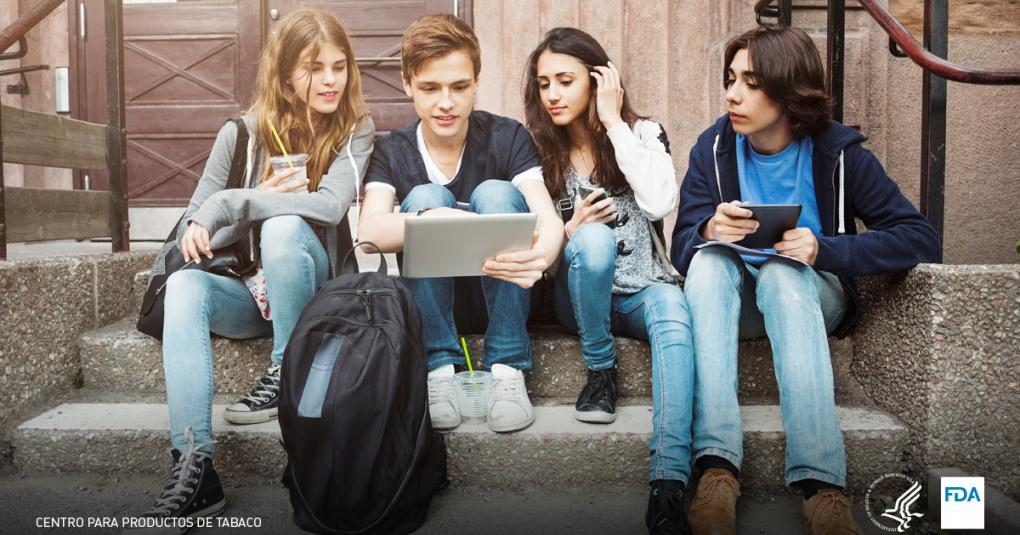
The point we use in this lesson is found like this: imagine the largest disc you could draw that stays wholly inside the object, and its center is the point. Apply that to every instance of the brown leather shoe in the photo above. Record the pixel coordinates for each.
(714, 509)
(828, 513)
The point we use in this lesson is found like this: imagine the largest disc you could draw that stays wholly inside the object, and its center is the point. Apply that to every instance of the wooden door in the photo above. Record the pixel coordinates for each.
(375, 28)
(188, 66)
(191, 64)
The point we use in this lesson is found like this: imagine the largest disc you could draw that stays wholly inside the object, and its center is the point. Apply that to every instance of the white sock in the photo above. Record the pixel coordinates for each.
(502, 371)
(445, 370)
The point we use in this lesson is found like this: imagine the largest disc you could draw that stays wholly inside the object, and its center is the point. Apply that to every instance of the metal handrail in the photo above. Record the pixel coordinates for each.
(930, 62)
(26, 22)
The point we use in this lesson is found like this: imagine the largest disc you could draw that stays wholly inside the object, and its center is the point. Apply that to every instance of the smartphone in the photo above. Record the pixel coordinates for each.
(585, 191)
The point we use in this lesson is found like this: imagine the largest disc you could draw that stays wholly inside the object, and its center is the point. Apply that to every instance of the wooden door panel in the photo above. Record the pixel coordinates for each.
(188, 66)
(168, 167)
(181, 69)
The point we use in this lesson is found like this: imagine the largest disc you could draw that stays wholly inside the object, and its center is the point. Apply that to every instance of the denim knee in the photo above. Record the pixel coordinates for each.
(186, 291)
(591, 249)
(497, 197)
(426, 196)
(713, 267)
(785, 285)
(282, 236)
(668, 302)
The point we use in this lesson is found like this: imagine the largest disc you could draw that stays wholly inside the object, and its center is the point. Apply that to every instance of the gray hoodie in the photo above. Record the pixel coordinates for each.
(229, 214)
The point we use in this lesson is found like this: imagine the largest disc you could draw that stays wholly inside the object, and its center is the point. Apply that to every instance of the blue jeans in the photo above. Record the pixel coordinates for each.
(585, 303)
(796, 307)
(506, 337)
(198, 303)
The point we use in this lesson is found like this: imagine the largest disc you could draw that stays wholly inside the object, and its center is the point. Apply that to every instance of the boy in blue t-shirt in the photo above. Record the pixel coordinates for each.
(451, 160)
(777, 145)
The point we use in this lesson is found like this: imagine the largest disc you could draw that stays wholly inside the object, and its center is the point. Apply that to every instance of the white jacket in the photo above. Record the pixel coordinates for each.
(648, 168)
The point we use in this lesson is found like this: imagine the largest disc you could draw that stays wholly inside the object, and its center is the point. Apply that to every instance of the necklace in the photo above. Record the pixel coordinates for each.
(588, 168)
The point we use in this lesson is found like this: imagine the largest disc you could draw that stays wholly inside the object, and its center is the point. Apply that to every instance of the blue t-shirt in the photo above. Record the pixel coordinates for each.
(782, 178)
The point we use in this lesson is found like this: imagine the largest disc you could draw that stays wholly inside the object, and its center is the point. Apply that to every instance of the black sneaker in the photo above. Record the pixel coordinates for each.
(597, 402)
(666, 515)
(261, 404)
(194, 490)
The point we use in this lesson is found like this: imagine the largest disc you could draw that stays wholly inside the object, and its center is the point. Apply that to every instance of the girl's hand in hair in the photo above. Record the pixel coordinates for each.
(730, 223)
(799, 243)
(523, 268)
(195, 243)
(609, 95)
(278, 182)
(588, 211)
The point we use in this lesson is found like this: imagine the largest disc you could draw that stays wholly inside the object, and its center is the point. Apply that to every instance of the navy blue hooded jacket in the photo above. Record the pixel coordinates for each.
(849, 183)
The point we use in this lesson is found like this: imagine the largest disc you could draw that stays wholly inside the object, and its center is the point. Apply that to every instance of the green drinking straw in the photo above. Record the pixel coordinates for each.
(467, 356)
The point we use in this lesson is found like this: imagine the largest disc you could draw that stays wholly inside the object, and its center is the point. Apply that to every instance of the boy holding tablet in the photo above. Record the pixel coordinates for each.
(451, 160)
(777, 145)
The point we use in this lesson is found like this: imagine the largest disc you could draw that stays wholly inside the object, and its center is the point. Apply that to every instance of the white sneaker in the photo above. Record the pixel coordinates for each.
(509, 406)
(443, 405)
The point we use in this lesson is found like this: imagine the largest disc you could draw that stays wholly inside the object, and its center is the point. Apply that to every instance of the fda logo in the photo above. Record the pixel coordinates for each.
(963, 502)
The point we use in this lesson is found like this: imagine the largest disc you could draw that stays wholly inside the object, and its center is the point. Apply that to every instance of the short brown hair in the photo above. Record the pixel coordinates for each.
(788, 68)
(435, 36)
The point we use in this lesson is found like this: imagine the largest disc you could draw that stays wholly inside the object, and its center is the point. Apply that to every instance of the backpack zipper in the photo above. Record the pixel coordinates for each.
(365, 296)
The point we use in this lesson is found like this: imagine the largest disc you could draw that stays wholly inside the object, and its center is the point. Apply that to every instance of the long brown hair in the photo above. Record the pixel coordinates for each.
(277, 103)
(789, 69)
(552, 141)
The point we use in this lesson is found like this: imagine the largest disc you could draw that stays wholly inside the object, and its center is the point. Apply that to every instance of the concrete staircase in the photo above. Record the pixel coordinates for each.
(117, 425)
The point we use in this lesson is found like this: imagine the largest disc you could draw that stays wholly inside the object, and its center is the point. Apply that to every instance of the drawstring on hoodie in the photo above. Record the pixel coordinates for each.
(715, 160)
(842, 196)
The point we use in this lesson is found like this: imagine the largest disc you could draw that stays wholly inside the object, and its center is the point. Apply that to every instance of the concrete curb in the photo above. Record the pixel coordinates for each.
(556, 452)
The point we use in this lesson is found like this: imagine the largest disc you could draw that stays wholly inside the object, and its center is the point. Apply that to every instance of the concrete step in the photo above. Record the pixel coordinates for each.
(556, 452)
(121, 359)
(456, 510)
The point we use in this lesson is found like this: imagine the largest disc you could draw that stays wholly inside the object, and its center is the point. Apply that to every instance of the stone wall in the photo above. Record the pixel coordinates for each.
(940, 349)
(45, 306)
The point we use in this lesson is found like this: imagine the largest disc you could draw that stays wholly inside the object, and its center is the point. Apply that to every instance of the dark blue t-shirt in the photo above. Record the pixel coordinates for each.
(496, 148)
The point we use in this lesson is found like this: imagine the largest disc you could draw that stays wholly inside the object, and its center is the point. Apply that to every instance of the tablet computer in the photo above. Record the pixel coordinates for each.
(773, 221)
(458, 245)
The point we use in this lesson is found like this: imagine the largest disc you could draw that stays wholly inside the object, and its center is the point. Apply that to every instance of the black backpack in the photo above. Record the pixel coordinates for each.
(362, 456)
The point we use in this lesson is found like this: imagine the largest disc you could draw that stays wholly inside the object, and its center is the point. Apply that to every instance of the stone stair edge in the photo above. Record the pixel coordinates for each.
(556, 452)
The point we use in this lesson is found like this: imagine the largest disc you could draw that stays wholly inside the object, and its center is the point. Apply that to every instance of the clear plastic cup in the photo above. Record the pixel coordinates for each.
(473, 394)
(282, 163)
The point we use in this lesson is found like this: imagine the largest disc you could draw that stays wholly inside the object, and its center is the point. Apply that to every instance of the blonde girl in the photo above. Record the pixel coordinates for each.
(309, 90)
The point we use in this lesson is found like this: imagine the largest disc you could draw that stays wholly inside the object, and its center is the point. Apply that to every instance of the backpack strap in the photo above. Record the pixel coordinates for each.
(237, 163)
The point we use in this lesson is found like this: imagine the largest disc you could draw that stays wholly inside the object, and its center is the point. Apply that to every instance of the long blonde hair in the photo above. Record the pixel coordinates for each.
(277, 103)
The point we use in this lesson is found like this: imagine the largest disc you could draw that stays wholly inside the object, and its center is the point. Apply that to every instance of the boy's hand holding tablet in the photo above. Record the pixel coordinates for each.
(763, 226)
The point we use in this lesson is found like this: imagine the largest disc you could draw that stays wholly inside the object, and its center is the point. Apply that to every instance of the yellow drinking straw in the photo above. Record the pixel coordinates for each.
(467, 357)
(280, 143)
